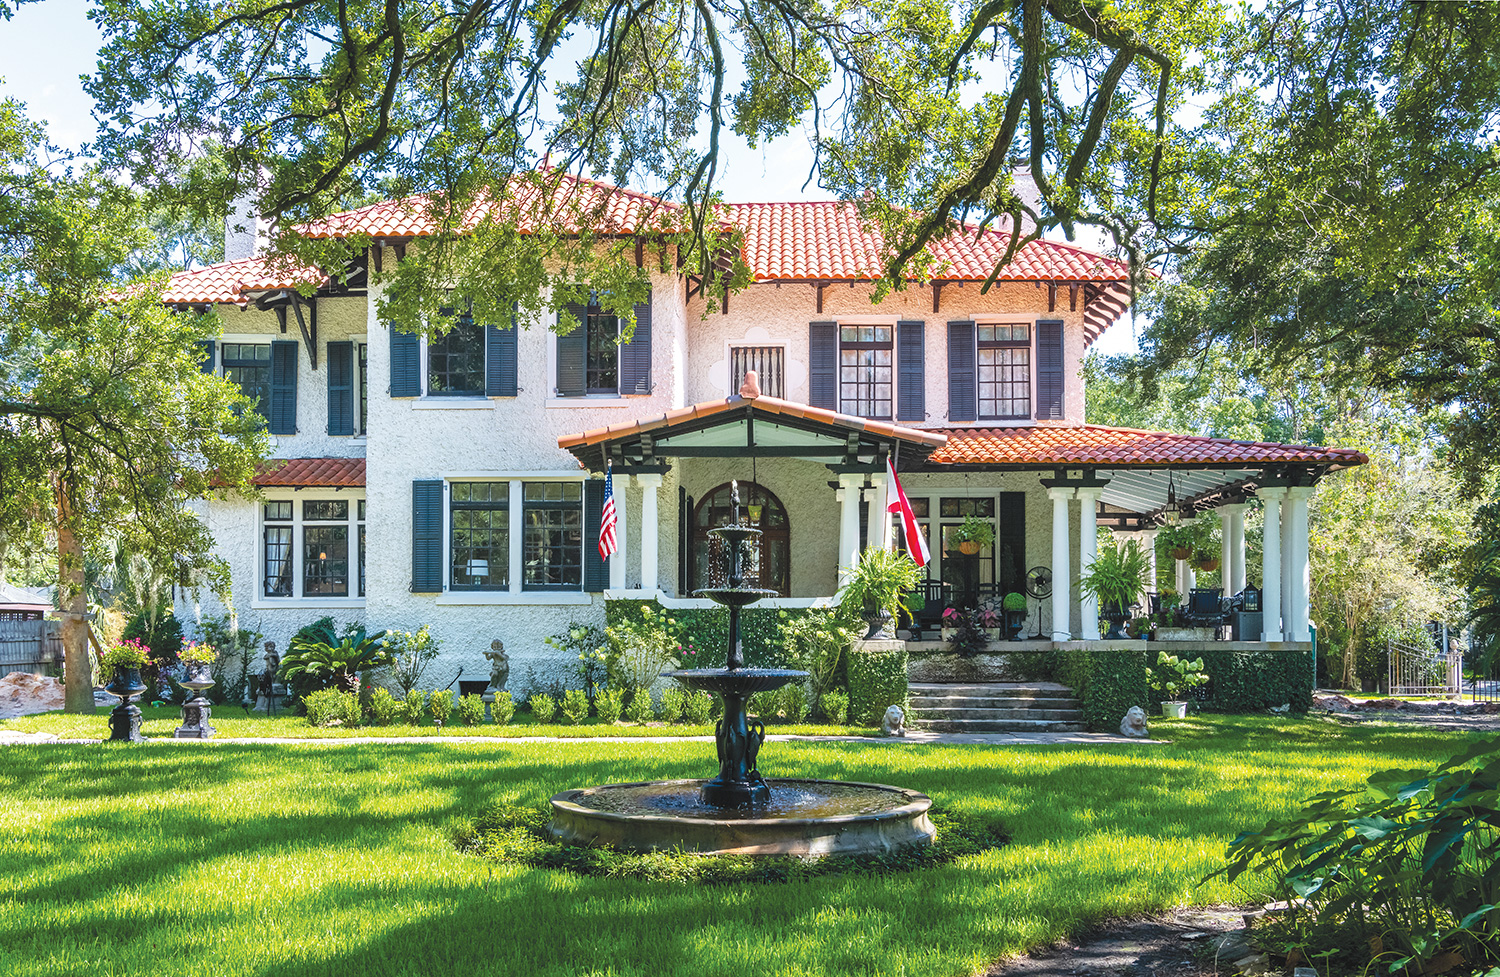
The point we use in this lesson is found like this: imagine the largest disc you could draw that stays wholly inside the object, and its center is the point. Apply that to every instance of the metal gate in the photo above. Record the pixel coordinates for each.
(1485, 686)
(1417, 671)
(29, 646)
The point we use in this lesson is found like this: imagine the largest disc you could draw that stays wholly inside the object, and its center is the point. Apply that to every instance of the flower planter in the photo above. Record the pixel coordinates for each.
(1207, 566)
(125, 718)
(948, 633)
(1180, 553)
(1174, 710)
(197, 710)
(968, 547)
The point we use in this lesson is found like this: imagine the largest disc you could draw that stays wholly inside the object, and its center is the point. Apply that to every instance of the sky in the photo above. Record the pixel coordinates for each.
(46, 46)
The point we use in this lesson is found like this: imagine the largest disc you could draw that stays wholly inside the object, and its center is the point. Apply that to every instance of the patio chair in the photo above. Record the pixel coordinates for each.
(1205, 608)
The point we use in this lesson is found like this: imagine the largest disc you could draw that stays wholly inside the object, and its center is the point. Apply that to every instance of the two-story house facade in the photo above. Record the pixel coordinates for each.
(457, 481)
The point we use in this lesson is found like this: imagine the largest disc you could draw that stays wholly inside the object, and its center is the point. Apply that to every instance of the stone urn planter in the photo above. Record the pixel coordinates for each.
(197, 710)
(125, 718)
(1116, 616)
(1174, 710)
(877, 621)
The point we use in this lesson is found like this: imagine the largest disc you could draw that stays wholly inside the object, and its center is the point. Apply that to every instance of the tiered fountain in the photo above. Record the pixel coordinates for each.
(739, 811)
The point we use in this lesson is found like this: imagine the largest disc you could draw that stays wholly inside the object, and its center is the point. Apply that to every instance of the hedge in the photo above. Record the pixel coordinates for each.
(877, 681)
(1108, 683)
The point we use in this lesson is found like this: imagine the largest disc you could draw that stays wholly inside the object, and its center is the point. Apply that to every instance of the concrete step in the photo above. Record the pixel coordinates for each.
(1038, 690)
(927, 716)
(990, 702)
(1001, 726)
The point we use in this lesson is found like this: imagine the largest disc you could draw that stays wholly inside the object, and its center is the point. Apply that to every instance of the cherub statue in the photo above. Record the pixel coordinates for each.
(499, 665)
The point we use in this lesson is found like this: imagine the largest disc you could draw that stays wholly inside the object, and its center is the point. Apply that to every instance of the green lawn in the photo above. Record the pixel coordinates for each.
(330, 859)
(231, 721)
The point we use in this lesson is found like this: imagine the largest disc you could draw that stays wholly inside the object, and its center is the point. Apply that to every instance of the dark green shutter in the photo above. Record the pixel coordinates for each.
(572, 349)
(823, 365)
(427, 536)
(635, 356)
(283, 416)
(595, 569)
(206, 363)
(1011, 549)
(500, 361)
(406, 364)
(1049, 370)
(340, 388)
(911, 382)
(963, 393)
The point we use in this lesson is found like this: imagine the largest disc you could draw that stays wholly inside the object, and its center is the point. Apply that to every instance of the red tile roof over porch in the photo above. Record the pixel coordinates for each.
(1094, 445)
(312, 472)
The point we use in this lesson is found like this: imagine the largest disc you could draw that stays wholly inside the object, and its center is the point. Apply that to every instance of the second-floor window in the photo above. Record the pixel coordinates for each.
(248, 365)
(866, 371)
(1004, 366)
(455, 360)
(602, 360)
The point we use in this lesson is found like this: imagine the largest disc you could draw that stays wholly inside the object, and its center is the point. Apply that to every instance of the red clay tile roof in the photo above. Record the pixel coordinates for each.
(308, 472)
(562, 201)
(228, 281)
(769, 405)
(1120, 447)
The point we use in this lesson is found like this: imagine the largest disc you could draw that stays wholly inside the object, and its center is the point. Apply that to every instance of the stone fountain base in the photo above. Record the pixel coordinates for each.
(805, 818)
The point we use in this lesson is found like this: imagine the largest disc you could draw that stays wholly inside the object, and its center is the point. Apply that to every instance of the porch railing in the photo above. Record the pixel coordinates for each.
(1417, 671)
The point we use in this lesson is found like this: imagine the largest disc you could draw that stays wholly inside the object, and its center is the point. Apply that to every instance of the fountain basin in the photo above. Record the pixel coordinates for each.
(740, 681)
(804, 818)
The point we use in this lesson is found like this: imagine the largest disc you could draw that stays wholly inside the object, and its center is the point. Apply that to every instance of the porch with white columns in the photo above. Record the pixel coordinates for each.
(1147, 539)
(1088, 552)
(1299, 570)
(1061, 575)
(848, 494)
(1233, 526)
(1270, 583)
(879, 519)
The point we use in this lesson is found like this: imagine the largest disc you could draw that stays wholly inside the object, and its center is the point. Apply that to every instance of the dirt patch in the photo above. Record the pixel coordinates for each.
(1183, 943)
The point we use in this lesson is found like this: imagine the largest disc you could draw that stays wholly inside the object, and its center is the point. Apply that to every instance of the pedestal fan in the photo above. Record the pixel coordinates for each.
(1039, 587)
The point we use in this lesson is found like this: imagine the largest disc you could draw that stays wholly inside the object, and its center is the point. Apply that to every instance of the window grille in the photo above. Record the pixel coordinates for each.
(769, 364)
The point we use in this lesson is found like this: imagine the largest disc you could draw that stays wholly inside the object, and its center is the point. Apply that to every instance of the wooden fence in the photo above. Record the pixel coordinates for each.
(30, 646)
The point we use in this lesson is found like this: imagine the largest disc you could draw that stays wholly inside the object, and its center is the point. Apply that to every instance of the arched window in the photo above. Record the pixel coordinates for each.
(760, 509)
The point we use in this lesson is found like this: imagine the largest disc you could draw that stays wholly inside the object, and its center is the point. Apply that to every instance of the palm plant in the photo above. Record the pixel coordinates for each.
(334, 662)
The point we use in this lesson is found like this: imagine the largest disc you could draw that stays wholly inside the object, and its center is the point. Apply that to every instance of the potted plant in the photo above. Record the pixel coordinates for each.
(961, 631)
(1117, 579)
(972, 535)
(1015, 614)
(1170, 601)
(197, 660)
(123, 662)
(876, 587)
(1178, 541)
(988, 622)
(915, 604)
(1205, 561)
(1171, 675)
(1140, 628)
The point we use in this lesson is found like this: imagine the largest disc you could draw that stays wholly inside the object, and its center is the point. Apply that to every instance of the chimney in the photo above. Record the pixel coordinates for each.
(1026, 189)
(245, 233)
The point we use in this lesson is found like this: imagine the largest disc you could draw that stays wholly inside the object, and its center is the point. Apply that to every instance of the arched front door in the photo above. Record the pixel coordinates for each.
(760, 509)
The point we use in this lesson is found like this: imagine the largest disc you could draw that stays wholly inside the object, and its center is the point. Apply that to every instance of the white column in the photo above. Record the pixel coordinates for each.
(1226, 550)
(650, 529)
(1297, 561)
(1147, 539)
(1236, 546)
(518, 533)
(1088, 550)
(1270, 581)
(1286, 567)
(1061, 575)
(880, 520)
(848, 524)
(622, 533)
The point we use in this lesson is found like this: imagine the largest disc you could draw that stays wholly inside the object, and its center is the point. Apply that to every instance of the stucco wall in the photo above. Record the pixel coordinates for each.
(768, 314)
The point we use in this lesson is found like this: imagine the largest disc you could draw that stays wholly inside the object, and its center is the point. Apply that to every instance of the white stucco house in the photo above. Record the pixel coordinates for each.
(457, 482)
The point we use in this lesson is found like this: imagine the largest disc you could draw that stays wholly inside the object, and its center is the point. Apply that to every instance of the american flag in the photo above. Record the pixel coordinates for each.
(607, 519)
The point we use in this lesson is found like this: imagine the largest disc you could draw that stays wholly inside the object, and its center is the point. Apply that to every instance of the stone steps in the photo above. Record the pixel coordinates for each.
(994, 707)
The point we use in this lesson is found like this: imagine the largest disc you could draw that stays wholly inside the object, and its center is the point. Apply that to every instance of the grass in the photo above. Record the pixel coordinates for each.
(232, 722)
(318, 859)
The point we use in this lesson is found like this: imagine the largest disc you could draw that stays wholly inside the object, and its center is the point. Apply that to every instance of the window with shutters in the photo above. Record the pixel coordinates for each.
(1004, 362)
(313, 548)
(455, 360)
(769, 364)
(601, 366)
(248, 366)
(866, 371)
(552, 543)
(479, 535)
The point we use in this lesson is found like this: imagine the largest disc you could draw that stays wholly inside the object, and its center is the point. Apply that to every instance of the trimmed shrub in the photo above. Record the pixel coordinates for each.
(877, 681)
(640, 710)
(835, 705)
(1254, 681)
(575, 706)
(672, 701)
(697, 707)
(471, 710)
(794, 702)
(413, 706)
(384, 708)
(704, 635)
(332, 707)
(503, 709)
(543, 707)
(1107, 684)
(609, 703)
(441, 705)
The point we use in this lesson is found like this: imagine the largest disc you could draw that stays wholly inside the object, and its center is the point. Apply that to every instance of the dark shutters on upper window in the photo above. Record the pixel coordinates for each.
(406, 364)
(1049, 369)
(500, 361)
(962, 391)
(283, 414)
(635, 356)
(572, 353)
(823, 365)
(595, 569)
(206, 362)
(426, 536)
(911, 390)
(340, 388)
